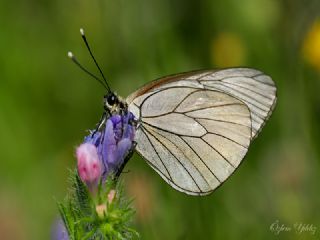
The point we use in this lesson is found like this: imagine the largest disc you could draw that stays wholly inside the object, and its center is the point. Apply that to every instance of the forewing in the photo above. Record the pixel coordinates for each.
(250, 86)
(193, 137)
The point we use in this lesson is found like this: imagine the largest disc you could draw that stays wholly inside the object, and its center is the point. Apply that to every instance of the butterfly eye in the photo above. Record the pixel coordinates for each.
(111, 99)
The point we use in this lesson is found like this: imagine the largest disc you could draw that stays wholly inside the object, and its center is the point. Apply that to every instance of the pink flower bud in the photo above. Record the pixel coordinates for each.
(89, 164)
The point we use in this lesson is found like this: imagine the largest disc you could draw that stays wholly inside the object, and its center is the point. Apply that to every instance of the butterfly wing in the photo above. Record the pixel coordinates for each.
(196, 127)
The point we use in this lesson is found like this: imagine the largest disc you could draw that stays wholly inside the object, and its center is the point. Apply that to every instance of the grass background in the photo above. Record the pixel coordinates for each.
(46, 105)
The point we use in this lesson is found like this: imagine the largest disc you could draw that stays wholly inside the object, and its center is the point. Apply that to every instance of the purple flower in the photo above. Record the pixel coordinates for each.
(114, 141)
(59, 231)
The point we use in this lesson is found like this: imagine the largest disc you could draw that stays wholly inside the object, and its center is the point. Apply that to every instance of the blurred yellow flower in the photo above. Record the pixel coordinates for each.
(311, 45)
(228, 50)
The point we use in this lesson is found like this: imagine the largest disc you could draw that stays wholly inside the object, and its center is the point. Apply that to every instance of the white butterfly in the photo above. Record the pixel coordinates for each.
(196, 127)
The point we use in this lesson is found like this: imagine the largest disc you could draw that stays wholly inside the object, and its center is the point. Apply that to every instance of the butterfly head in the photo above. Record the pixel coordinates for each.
(113, 103)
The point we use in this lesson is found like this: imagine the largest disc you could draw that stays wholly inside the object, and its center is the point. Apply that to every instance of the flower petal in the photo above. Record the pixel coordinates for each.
(122, 149)
(109, 145)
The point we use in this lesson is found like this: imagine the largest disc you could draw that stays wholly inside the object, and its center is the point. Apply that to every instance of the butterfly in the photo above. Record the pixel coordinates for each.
(195, 128)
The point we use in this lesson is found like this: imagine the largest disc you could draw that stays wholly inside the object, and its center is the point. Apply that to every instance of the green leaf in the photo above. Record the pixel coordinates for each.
(67, 219)
(82, 196)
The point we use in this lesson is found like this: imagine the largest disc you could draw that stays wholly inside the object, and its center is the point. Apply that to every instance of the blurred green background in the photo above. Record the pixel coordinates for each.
(47, 104)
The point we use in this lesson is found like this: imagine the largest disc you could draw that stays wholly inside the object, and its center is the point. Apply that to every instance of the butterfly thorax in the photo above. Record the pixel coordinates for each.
(115, 106)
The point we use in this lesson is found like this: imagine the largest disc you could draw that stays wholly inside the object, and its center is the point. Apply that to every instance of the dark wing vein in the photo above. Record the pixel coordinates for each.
(185, 99)
(198, 109)
(217, 134)
(227, 77)
(237, 89)
(160, 90)
(234, 141)
(204, 75)
(213, 148)
(175, 158)
(253, 103)
(143, 130)
(187, 157)
(195, 152)
(219, 120)
(184, 135)
(265, 83)
(251, 90)
(216, 106)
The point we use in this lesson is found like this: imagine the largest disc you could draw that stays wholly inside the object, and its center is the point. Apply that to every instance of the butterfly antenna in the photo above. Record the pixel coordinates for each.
(73, 58)
(89, 49)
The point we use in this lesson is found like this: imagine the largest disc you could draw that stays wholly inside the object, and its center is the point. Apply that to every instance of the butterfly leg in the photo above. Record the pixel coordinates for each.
(100, 123)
